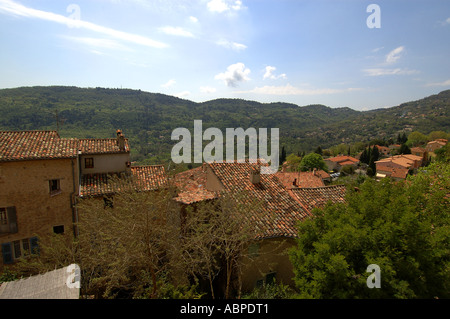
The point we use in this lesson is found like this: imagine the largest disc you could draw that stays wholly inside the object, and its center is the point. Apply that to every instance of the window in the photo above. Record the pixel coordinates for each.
(58, 229)
(3, 216)
(89, 162)
(108, 202)
(54, 186)
(18, 249)
(8, 220)
(270, 278)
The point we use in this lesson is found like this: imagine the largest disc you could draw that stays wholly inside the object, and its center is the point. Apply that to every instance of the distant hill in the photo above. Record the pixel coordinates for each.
(148, 119)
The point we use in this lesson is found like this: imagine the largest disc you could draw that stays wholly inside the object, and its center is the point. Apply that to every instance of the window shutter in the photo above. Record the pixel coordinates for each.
(7, 253)
(12, 219)
(34, 245)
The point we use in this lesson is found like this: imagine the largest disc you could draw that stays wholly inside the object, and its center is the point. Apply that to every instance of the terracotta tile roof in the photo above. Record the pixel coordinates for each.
(101, 146)
(32, 145)
(418, 149)
(343, 163)
(300, 179)
(279, 212)
(142, 178)
(313, 197)
(404, 160)
(192, 184)
(343, 158)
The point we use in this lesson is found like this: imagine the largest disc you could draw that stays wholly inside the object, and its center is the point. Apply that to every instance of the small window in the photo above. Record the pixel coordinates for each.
(270, 278)
(3, 216)
(89, 162)
(17, 249)
(108, 202)
(58, 229)
(54, 186)
(26, 246)
(8, 220)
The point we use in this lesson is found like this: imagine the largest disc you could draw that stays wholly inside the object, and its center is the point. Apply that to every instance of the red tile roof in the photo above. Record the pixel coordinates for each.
(101, 146)
(192, 184)
(343, 158)
(300, 179)
(279, 212)
(319, 196)
(34, 145)
(142, 178)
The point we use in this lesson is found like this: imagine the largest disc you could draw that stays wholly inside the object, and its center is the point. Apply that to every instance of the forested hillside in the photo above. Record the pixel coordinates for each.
(148, 119)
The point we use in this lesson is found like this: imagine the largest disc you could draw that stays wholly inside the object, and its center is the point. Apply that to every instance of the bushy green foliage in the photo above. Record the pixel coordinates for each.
(312, 161)
(402, 227)
(272, 291)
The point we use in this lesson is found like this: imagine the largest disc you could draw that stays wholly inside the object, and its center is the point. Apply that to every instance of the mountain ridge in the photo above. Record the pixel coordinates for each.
(149, 118)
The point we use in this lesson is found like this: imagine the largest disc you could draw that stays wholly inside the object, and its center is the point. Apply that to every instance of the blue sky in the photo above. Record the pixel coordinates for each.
(297, 51)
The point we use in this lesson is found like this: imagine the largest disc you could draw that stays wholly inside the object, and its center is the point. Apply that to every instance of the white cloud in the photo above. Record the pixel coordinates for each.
(193, 19)
(445, 83)
(288, 89)
(178, 31)
(207, 89)
(269, 73)
(224, 5)
(16, 9)
(394, 55)
(99, 43)
(445, 22)
(377, 49)
(231, 45)
(381, 72)
(169, 83)
(234, 74)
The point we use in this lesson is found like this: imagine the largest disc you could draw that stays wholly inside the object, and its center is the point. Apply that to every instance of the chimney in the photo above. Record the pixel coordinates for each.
(255, 176)
(120, 140)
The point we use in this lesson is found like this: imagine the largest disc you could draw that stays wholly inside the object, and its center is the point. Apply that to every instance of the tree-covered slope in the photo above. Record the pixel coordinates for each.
(148, 119)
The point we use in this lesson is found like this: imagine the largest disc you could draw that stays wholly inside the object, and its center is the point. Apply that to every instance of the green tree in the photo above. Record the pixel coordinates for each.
(404, 149)
(401, 227)
(282, 155)
(318, 150)
(416, 138)
(437, 135)
(293, 160)
(443, 153)
(311, 161)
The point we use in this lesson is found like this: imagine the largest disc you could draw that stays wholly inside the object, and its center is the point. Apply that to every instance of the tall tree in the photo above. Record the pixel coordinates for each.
(282, 155)
(401, 227)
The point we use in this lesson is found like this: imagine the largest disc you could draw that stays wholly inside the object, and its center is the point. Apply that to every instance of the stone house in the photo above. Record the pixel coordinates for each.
(43, 175)
(275, 221)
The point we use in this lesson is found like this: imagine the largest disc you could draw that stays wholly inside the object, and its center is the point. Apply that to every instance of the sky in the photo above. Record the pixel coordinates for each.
(340, 53)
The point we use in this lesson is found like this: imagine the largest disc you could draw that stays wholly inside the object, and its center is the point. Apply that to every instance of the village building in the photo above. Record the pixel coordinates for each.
(420, 151)
(432, 146)
(276, 219)
(398, 167)
(338, 162)
(43, 175)
(383, 150)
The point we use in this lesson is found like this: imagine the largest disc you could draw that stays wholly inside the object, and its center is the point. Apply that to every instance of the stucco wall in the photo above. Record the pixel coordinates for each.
(25, 185)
